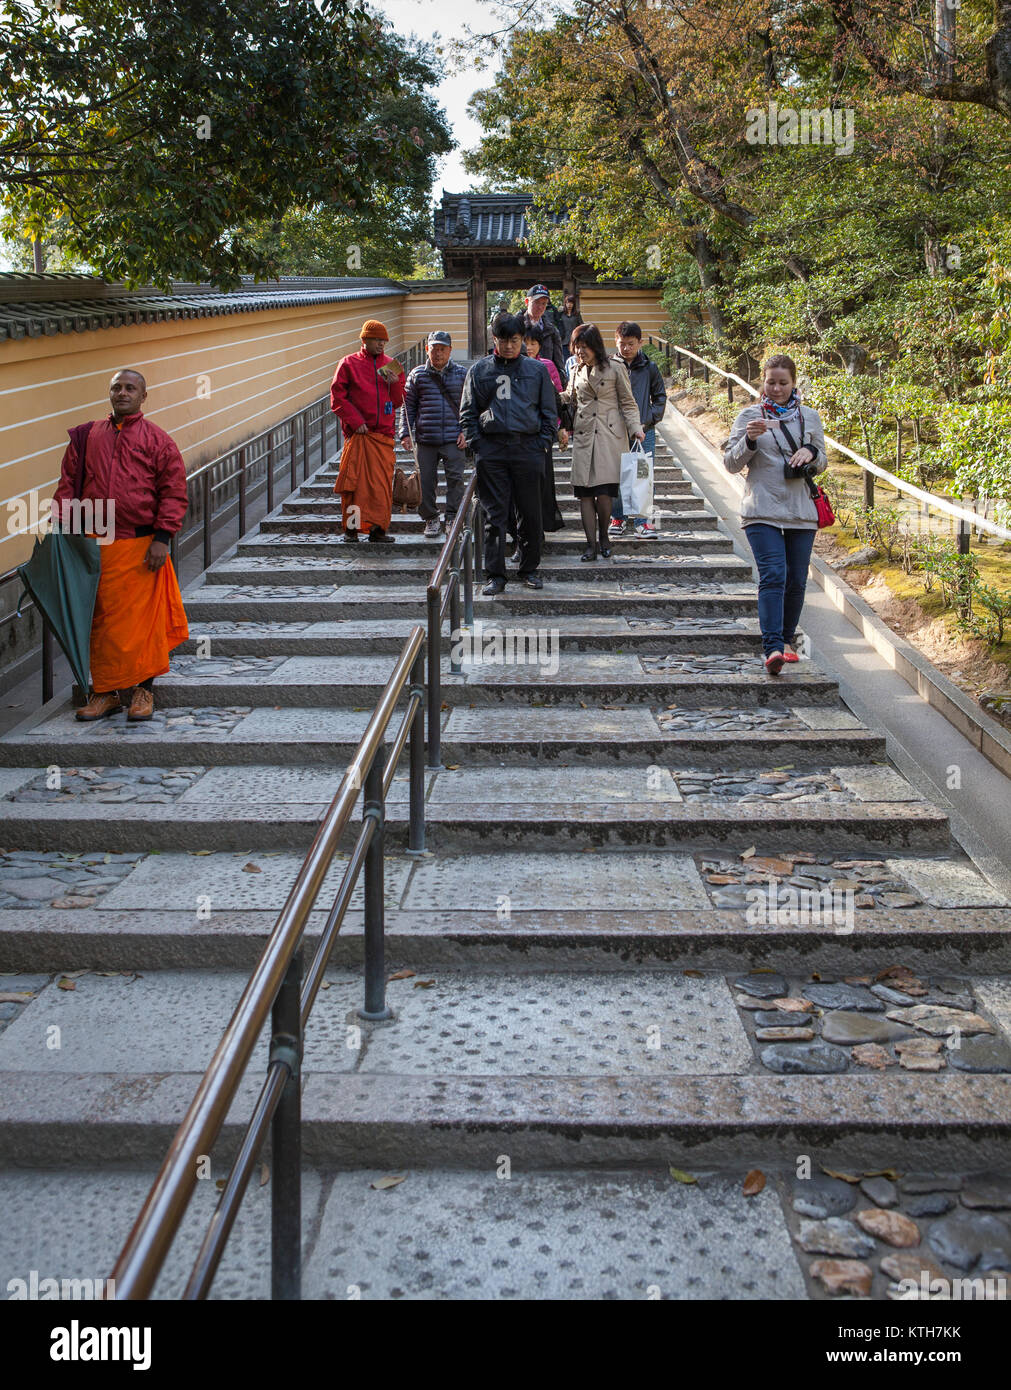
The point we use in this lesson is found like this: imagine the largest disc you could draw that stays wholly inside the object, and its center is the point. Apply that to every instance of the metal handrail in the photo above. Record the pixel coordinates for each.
(962, 515)
(462, 551)
(276, 983)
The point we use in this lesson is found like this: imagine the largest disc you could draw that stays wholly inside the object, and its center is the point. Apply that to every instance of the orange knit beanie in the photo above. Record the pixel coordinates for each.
(372, 328)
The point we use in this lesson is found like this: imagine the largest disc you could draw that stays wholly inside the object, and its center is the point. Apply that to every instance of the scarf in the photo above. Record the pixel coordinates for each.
(784, 414)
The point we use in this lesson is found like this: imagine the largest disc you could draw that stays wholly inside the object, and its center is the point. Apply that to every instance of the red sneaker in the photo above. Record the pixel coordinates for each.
(774, 663)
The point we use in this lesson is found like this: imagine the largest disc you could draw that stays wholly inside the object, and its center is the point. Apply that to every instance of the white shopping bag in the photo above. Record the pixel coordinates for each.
(637, 481)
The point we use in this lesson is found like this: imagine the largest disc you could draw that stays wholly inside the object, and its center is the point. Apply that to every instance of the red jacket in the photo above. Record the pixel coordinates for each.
(358, 394)
(138, 467)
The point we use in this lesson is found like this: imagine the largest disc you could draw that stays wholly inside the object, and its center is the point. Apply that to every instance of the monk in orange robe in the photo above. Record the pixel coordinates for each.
(366, 391)
(133, 470)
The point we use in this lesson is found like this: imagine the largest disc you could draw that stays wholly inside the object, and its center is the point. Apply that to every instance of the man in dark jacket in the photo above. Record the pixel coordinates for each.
(537, 312)
(651, 398)
(432, 410)
(508, 419)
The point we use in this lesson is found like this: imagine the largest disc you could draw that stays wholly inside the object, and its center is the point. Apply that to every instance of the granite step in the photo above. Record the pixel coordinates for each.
(315, 514)
(380, 565)
(612, 909)
(634, 1066)
(325, 600)
(669, 498)
(296, 543)
(631, 737)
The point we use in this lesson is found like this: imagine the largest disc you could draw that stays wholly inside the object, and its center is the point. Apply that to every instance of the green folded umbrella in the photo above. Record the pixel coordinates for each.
(62, 578)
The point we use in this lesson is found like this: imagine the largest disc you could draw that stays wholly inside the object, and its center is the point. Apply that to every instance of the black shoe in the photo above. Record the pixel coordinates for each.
(350, 538)
(605, 552)
(378, 534)
(590, 553)
(516, 556)
(533, 581)
(494, 586)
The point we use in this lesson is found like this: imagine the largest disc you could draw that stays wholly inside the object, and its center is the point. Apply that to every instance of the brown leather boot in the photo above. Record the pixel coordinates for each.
(142, 704)
(101, 706)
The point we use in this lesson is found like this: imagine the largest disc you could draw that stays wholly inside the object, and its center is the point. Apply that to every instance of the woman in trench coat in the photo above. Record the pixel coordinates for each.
(606, 417)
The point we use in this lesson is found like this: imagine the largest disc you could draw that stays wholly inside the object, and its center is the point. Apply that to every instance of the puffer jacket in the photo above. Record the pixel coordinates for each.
(768, 496)
(137, 466)
(647, 388)
(507, 398)
(434, 418)
(360, 396)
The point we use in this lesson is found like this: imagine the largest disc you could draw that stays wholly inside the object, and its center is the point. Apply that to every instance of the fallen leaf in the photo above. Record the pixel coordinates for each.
(264, 1175)
(784, 767)
(220, 1184)
(65, 984)
(815, 975)
(749, 853)
(13, 997)
(696, 973)
(251, 869)
(381, 1184)
(325, 984)
(679, 1175)
(200, 851)
(892, 1174)
(451, 767)
(843, 1177)
(424, 984)
(403, 975)
(753, 1183)
(74, 974)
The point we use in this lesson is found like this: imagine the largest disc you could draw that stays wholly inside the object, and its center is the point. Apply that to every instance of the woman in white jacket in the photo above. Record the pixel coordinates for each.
(776, 440)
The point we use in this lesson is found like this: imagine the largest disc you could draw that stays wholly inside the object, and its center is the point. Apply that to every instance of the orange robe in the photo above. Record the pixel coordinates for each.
(365, 481)
(139, 617)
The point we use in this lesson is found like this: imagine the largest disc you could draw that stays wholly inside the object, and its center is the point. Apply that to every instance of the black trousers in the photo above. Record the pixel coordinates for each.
(506, 480)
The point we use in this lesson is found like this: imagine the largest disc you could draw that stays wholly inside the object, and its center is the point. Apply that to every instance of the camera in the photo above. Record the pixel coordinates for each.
(802, 470)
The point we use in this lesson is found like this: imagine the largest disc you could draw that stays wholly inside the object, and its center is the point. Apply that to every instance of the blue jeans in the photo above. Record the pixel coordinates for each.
(617, 510)
(782, 557)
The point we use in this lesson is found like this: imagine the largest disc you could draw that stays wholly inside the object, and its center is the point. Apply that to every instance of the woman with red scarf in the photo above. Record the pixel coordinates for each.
(781, 444)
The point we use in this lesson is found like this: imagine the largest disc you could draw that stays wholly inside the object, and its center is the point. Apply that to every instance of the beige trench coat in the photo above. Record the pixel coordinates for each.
(606, 414)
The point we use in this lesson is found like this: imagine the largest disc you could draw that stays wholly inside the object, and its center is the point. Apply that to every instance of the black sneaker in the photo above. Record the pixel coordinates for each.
(350, 538)
(533, 581)
(378, 534)
(494, 586)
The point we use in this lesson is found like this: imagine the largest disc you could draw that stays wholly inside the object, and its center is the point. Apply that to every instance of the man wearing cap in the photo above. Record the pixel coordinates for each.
(367, 388)
(431, 415)
(537, 312)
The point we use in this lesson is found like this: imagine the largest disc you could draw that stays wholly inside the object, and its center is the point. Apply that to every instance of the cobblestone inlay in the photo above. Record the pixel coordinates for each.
(225, 667)
(16, 993)
(704, 663)
(252, 592)
(111, 785)
(875, 1021)
(689, 624)
(748, 785)
(222, 627)
(714, 719)
(54, 878)
(892, 1235)
(178, 722)
(699, 586)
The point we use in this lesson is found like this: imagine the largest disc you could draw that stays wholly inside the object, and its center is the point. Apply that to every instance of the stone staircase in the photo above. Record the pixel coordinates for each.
(592, 1001)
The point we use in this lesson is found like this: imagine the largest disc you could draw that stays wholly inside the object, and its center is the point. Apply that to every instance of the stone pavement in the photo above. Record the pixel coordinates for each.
(678, 921)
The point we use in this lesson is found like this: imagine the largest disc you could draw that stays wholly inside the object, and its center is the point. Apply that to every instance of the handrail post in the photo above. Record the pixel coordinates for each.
(242, 491)
(47, 663)
(293, 461)
(416, 840)
(478, 525)
(455, 665)
(207, 518)
(468, 577)
(375, 964)
(434, 655)
(286, 1140)
(270, 471)
(305, 443)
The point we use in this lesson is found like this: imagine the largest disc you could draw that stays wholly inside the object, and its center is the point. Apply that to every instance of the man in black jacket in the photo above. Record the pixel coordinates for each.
(432, 411)
(651, 398)
(539, 312)
(507, 417)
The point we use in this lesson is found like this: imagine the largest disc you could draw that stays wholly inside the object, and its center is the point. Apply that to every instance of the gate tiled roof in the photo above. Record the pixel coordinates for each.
(476, 220)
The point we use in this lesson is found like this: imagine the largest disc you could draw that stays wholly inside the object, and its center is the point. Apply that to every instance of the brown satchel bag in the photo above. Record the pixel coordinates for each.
(407, 486)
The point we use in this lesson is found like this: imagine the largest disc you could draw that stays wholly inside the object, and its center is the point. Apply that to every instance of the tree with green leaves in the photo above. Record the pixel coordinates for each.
(155, 136)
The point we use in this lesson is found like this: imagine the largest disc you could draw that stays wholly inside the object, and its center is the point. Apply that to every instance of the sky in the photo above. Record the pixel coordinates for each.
(448, 18)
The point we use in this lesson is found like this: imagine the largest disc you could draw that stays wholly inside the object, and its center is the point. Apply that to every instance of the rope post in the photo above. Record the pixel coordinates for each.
(416, 840)
(286, 1140)
(375, 964)
(434, 656)
(868, 488)
(705, 372)
(730, 391)
(963, 536)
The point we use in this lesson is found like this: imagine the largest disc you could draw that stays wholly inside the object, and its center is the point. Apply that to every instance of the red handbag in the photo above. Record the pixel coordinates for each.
(826, 516)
